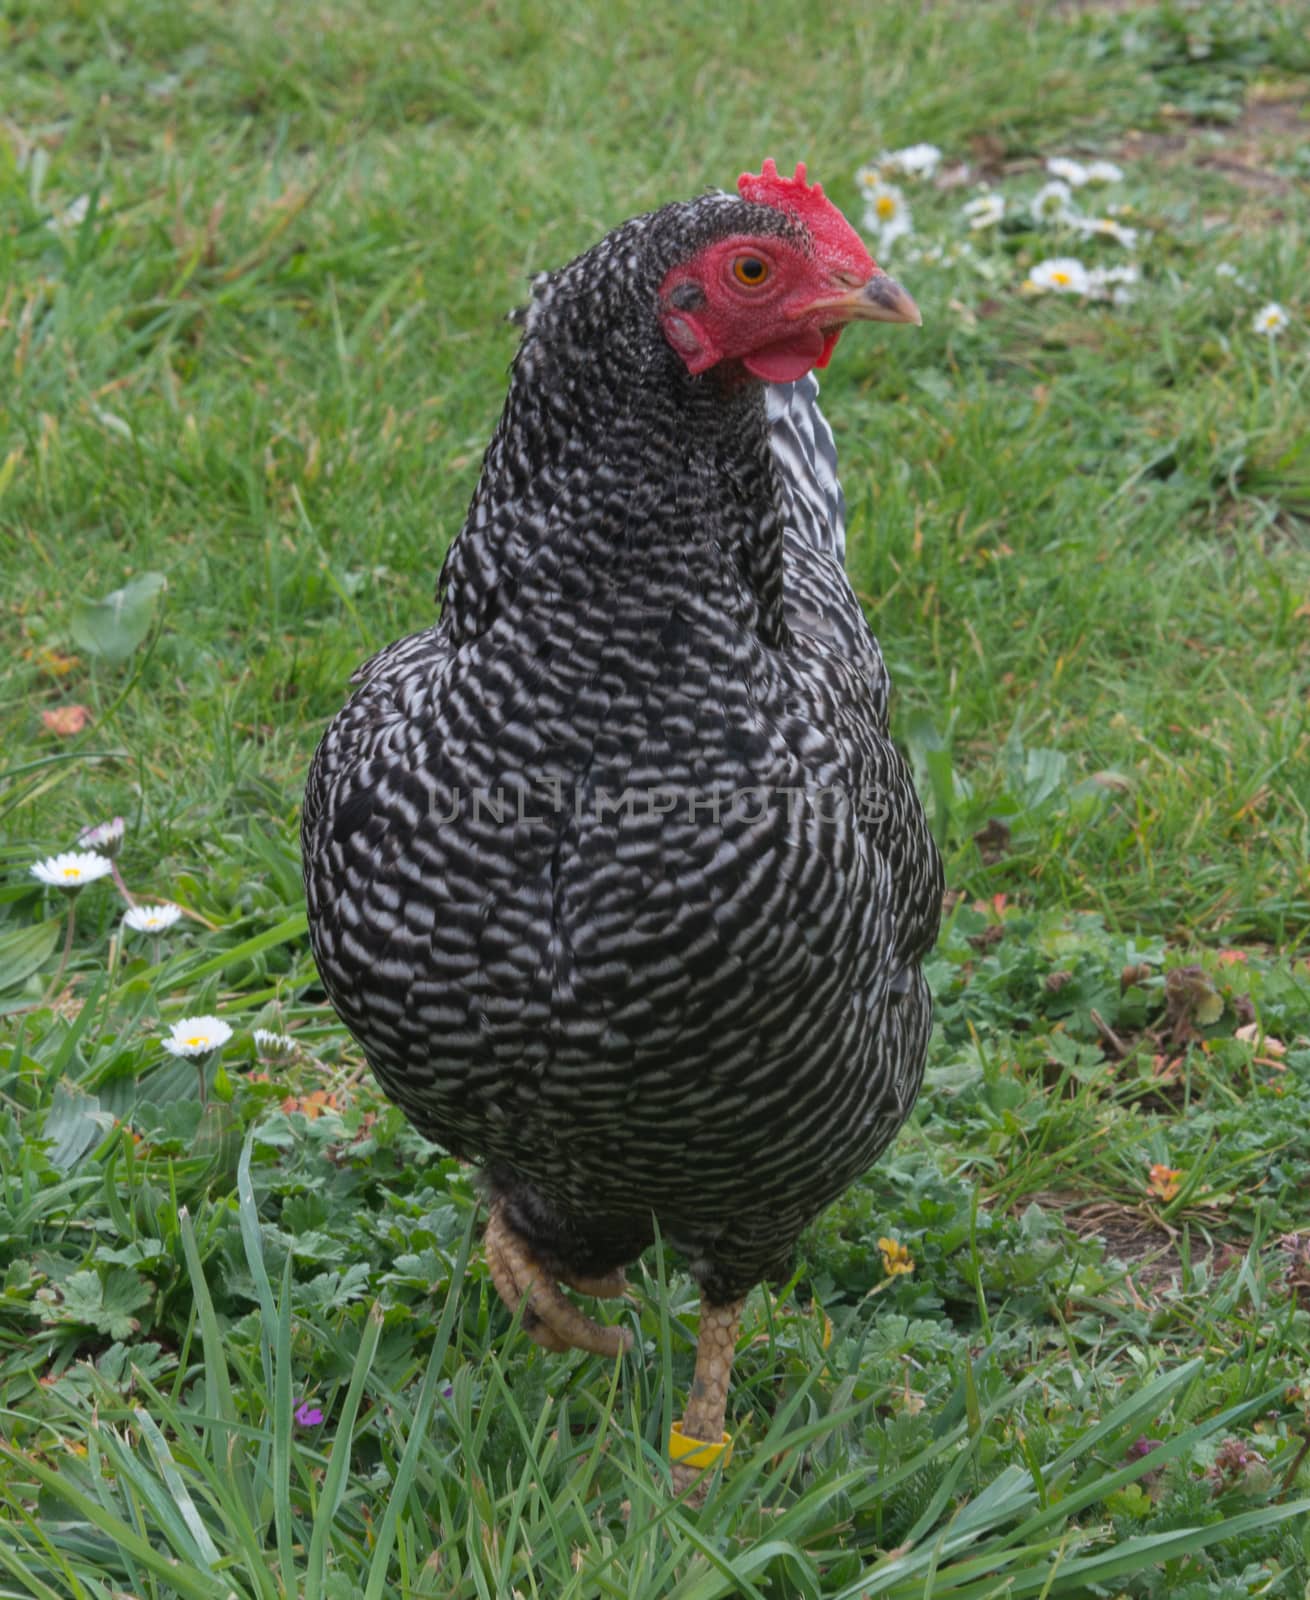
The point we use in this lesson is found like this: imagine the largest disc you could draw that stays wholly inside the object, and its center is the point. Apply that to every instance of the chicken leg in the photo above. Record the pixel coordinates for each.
(550, 1319)
(707, 1403)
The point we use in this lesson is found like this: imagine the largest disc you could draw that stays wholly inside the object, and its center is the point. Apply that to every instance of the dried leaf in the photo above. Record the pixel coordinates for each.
(58, 663)
(1163, 1182)
(993, 841)
(1191, 1000)
(1249, 1033)
(66, 720)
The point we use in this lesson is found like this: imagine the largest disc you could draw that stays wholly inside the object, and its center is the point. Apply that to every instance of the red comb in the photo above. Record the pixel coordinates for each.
(771, 190)
(835, 241)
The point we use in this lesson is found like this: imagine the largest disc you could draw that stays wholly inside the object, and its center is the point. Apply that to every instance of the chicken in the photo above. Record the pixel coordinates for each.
(614, 871)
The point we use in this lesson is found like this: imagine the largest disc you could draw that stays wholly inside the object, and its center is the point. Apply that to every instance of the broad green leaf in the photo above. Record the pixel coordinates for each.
(112, 628)
(26, 950)
(73, 1125)
(107, 1307)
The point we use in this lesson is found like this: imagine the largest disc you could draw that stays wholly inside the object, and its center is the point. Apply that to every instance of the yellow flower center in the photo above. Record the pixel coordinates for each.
(72, 872)
(196, 1040)
(1062, 278)
(885, 206)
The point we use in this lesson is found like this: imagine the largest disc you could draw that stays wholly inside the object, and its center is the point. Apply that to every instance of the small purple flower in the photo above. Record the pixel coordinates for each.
(1142, 1447)
(308, 1415)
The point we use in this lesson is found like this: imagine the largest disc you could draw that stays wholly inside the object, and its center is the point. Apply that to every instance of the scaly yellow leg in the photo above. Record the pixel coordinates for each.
(698, 1442)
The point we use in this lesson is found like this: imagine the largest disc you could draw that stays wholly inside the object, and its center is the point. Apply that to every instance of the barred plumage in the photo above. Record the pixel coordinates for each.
(614, 871)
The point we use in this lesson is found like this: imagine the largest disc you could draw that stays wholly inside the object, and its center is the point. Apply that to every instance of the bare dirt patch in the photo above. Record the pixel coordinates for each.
(1148, 1248)
(1274, 121)
(1143, 1245)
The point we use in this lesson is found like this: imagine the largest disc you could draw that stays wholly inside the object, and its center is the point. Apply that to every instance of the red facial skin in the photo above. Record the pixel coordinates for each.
(768, 326)
(772, 326)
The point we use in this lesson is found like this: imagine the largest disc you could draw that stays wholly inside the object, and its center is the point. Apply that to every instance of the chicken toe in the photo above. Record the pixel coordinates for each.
(549, 1318)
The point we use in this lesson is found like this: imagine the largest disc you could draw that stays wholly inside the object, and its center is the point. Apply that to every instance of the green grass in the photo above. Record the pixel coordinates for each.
(263, 366)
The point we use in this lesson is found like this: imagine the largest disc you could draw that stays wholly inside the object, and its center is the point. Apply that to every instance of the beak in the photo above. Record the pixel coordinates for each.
(880, 300)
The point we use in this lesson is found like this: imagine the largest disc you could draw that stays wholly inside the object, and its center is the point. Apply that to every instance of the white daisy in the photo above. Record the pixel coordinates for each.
(1106, 228)
(1226, 269)
(1053, 202)
(104, 836)
(197, 1036)
(1060, 275)
(1114, 283)
(1103, 172)
(914, 161)
(273, 1045)
(72, 216)
(886, 215)
(72, 869)
(1269, 320)
(986, 211)
(151, 919)
(1074, 173)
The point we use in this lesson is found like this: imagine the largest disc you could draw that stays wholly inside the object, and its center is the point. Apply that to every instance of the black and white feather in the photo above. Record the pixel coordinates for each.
(614, 871)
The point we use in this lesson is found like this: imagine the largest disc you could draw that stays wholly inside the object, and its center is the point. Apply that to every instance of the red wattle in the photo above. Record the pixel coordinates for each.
(790, 358)
(829, 345)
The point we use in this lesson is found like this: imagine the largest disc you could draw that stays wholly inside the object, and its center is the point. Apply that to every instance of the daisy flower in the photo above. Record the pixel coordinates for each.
(886, 215)
(70, 871)
(106, 837)
(1229, 270)
(1103, 172)
(1053, 202)
(1269, 320)
(1107, 228)
(1074, 173)
(986, 211)
(273, 1046)
(197, 1036)
(1060, 275)
(151, 919)
(953, 253)
(914, 161)
(1114, 283)
(72, 216)
(73, 869)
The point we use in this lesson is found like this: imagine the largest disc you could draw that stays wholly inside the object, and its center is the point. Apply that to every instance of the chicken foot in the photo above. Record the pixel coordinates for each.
(549, 1318)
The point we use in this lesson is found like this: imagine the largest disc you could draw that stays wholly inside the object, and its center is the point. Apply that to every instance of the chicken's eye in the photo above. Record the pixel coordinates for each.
(750, 270)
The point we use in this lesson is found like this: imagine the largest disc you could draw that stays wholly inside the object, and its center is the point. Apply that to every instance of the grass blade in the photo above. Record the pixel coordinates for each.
(334, 1482)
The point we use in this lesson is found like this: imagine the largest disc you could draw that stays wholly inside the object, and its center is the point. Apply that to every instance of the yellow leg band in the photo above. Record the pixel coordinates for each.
(698, 1453)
